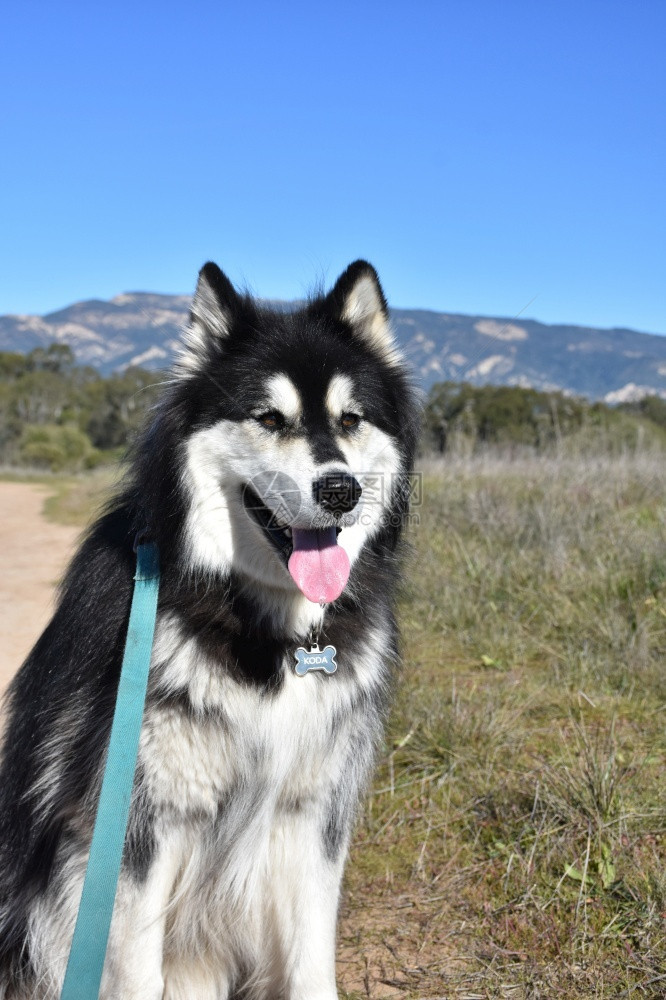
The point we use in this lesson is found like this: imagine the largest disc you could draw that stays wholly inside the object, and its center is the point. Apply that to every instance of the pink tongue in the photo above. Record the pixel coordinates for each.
(318, 565)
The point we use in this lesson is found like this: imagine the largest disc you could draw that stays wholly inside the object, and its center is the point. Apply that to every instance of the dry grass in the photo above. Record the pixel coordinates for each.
(76, 499)
(514, 843)
(72, 499)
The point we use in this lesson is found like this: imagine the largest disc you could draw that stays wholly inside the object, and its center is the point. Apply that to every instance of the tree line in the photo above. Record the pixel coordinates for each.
(464, 418)
(57, 415)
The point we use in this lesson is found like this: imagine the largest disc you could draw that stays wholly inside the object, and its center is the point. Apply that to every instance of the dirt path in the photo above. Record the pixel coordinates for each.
(34, 554)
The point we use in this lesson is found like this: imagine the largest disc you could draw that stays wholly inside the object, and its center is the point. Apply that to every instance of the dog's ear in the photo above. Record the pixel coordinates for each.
(211, 316)
(358, 300)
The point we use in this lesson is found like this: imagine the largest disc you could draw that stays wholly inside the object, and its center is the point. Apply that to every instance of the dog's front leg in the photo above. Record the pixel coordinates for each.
(310, 849)
(133, 967)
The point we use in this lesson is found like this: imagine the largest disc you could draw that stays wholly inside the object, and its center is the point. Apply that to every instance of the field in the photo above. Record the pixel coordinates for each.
(513, 843)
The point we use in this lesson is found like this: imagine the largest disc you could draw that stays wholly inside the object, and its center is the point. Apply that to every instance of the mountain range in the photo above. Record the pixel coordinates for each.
(142, 328)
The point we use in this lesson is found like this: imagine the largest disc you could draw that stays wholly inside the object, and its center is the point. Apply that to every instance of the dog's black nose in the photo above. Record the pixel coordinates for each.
(337, 492)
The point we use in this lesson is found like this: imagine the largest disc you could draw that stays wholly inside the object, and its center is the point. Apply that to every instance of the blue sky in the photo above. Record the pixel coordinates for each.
(495, 158)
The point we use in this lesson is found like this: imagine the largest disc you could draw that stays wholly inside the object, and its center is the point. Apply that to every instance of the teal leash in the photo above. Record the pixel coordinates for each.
(86, 957)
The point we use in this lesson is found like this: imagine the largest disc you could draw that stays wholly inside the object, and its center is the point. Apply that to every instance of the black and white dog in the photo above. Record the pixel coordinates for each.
(274, 479)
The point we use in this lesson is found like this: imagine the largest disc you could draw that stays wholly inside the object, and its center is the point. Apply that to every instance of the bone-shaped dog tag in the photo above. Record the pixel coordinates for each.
(315, 659)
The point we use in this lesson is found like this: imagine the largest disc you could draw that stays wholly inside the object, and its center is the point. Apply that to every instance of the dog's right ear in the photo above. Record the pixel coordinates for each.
(211, 315)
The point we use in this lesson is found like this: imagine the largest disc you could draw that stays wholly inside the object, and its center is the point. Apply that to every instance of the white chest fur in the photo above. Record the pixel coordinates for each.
(292, 742)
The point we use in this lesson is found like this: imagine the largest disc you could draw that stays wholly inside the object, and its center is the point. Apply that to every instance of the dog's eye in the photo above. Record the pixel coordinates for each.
(349, 421)
(272, 420)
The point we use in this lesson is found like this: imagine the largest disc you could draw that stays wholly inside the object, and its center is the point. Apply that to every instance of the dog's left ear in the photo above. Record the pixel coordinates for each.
(357, 299)
(212, 313)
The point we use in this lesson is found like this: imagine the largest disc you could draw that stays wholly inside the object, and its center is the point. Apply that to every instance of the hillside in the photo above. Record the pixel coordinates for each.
(142, 328)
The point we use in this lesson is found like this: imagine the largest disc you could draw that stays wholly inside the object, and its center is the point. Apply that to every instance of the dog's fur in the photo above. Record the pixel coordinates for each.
(248, 776)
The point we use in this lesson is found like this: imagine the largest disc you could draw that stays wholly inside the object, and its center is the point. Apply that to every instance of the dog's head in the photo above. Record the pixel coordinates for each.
(298, 432)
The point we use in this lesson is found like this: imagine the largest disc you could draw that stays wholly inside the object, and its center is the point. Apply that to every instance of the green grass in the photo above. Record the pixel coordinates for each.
(514, 844)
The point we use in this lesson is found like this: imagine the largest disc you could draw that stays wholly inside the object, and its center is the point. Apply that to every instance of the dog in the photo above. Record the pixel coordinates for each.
(274, 478)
